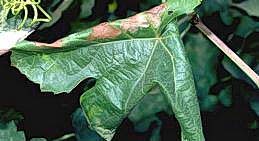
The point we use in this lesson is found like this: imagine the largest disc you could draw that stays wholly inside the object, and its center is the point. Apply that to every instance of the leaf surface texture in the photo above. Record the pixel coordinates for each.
(128, 58)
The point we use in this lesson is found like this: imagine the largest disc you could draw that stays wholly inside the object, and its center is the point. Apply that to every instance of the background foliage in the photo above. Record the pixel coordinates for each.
(228, 99)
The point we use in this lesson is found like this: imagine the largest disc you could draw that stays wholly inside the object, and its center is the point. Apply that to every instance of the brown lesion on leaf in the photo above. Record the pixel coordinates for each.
(154, 15)
(146, 19)
(132, 24)
(104, 31)
(56, 44)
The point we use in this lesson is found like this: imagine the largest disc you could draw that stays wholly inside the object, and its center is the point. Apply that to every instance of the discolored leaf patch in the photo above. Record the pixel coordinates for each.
(146, 19)
(104, 31)
(56, 44)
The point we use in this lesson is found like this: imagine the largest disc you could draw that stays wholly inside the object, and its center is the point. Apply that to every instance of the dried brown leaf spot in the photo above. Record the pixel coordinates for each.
(104, 31)
(144, 20)
(154, 15)
(56, 44)
(132, 24)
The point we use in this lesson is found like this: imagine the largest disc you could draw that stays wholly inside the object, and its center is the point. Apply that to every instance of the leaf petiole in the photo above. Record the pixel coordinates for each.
(196, 21)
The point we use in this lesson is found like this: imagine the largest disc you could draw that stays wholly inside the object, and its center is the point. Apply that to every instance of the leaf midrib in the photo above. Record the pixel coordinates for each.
(148, 64)
(141, 76)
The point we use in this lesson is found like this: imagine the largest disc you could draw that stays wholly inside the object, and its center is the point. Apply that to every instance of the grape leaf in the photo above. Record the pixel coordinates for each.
(8, 132)
(86, 8)
(146, 4)
(254, 103)
(250, 6)
(144, 113)
(237, 72)
(225, 97)
(38, 139)
(203, 59)
(57, 13)
(246, 27)
(82, 131)
(128, 58)
(210, 6)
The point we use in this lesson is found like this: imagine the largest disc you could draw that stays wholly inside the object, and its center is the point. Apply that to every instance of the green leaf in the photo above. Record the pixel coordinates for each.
(246, 27)
(210, 6)
(180, 7)
(128, 58)
(235, 71)
(86, 8)
(254, 125)
(112, 6)
(38, 139)
(203, 56)
(156, 132)
(209, 103)
(146, 4)
(82, 131)
(144, 113)
(57, 13)
(223, 7)
(225, 97)
(8, 132)
(9, 114)
(226, 17)
(79, 25)
(254, 103)
(250, 6)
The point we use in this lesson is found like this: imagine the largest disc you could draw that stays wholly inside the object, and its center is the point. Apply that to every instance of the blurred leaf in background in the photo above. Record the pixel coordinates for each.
(232, 15)
(146, 4)
(225, 96)
(144, 113)
(82, 131)
(60, 6)
(250, 6)
(247, 26)
(9, 114)
(8, 132)
(203, 57)
(235, 71)
(254, 102)
(86, 8)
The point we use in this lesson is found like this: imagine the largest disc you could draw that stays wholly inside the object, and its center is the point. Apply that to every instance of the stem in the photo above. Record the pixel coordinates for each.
(223, 47)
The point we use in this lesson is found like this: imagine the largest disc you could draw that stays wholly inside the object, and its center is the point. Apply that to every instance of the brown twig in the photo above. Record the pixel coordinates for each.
(196, 21)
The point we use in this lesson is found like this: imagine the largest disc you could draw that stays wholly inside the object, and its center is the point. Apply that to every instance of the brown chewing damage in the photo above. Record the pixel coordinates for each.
(144, 20)
(56, 44)
(104, 31)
